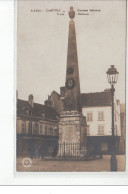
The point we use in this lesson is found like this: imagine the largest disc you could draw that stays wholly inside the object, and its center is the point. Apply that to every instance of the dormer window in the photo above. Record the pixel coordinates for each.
(28, 112)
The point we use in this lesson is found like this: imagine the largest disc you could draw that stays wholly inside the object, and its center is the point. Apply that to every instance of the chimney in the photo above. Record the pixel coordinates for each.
(30, 100)
(48, 103)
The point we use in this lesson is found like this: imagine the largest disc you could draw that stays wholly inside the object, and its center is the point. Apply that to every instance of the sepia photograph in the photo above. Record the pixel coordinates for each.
(71, 86)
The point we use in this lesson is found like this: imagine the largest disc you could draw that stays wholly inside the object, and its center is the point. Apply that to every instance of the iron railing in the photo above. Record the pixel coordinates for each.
(65, 151)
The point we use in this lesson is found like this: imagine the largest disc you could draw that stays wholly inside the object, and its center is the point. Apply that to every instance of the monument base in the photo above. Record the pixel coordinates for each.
(72, 134)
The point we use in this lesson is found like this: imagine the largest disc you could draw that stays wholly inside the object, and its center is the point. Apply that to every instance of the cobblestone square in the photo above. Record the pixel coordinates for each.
(97, 165)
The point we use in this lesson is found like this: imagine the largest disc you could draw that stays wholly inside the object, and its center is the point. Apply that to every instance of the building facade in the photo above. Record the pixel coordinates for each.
(36, 125)
(97, 109)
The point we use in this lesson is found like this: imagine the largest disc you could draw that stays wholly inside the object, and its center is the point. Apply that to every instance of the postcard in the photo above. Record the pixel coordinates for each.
(70, 90)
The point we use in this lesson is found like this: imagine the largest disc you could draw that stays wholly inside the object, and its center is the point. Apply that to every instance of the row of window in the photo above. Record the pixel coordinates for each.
(38, 129)
(100, 116)
(101, 130)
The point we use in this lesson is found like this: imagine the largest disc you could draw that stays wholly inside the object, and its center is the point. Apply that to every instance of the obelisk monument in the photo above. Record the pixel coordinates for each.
(72, 124)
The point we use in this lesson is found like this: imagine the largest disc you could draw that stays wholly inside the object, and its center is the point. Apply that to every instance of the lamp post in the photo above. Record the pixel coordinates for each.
(112, 75)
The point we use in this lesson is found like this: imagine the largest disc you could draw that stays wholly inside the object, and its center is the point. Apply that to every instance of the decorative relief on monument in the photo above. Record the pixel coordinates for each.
(70, 70)
(70, 113)
(77, 127)
(68, 123)
(70, 83)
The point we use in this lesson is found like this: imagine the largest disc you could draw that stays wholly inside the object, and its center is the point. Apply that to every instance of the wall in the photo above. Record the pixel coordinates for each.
(93, 125)
(48, 124)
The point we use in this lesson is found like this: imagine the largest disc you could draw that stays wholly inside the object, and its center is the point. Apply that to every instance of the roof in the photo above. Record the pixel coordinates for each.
(54, 92)
(96, 99)
(37, 110)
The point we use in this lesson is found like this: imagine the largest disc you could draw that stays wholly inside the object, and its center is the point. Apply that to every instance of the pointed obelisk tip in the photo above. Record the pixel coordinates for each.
(71, 13)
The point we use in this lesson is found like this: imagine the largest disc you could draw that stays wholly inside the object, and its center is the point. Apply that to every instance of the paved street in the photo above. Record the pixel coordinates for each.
(97, 165)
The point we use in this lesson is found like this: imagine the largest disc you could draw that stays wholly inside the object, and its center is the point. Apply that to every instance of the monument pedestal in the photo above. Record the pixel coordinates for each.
(72, 134)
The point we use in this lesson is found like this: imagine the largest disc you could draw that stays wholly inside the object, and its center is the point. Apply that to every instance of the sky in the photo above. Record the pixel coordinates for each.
(42, 39)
